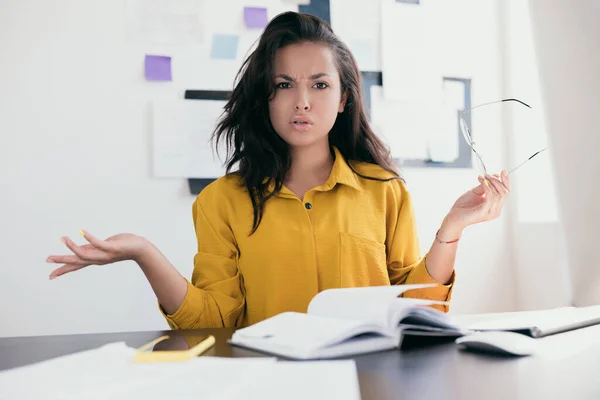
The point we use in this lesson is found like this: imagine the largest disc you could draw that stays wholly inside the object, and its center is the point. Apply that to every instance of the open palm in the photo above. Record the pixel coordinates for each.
(124, 246)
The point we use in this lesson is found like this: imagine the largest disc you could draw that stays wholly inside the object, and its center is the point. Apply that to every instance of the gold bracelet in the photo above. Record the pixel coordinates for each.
(446, 242)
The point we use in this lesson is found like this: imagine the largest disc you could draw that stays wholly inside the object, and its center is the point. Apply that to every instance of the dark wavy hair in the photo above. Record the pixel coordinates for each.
(246, 128)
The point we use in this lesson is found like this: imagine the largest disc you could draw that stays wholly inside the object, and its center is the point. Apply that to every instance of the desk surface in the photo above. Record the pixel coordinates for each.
(437, 371)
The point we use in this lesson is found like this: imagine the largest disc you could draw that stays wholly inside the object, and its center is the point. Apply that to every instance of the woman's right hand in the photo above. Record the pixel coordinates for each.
(124, 246)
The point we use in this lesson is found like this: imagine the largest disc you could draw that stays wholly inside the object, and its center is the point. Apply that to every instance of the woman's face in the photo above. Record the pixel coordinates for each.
(308, 94)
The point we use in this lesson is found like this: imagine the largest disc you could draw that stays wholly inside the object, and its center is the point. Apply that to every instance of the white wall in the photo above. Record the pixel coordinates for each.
(74, 153)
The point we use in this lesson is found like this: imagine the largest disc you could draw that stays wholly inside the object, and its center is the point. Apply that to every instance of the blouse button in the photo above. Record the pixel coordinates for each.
(308, 206)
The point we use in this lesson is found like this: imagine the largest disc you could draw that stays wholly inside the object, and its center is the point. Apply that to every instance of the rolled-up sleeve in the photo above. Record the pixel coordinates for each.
(215, 296)
(405, 264)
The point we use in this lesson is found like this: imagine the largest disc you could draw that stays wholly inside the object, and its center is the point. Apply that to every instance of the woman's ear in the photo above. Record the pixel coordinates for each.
(343, 102)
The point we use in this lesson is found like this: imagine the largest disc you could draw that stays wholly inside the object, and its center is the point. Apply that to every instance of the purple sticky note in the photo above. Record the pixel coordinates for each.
(255, 17)
(158, 68)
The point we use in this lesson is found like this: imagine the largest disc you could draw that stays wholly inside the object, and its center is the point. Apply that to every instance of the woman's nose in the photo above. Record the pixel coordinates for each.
(302, 103)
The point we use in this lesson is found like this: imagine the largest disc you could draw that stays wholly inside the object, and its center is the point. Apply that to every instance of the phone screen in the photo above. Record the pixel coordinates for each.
(179, 342)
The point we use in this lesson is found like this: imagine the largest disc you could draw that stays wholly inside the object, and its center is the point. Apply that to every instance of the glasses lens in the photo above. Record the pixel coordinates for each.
(465, 131)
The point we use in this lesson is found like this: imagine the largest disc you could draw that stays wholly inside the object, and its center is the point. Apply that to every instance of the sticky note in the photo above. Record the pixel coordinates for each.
(255, 17)
(224, 47)
(157, 68)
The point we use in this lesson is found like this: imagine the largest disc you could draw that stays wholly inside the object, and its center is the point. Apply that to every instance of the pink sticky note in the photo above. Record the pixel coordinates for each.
(157, 68)
(255, 17)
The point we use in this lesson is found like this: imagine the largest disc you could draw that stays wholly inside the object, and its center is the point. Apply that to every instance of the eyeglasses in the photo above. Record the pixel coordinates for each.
(466, 132)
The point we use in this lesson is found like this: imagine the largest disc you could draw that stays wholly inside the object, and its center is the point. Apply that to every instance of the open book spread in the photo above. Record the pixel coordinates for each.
(347, 321)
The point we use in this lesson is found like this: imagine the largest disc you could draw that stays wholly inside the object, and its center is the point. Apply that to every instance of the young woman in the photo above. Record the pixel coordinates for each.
(315, 201)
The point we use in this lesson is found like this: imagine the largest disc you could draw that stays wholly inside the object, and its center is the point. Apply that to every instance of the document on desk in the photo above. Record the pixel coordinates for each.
(538, 323)
(109, 372)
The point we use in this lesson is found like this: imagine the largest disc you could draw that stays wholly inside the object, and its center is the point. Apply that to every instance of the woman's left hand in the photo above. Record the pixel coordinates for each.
(482, 203)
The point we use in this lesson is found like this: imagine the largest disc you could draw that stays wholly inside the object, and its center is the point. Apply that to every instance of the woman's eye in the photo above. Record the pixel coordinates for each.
(283, 85)
(321, 85)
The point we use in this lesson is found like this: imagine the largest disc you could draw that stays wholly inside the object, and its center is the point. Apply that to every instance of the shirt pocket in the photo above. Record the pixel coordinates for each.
(362, 262)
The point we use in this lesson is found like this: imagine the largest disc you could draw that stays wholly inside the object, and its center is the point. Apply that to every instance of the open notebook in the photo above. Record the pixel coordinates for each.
(347, 321)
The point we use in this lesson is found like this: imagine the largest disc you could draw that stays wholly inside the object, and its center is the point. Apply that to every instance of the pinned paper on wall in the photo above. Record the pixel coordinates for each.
(157, 68)
(454, 94)
(298, 2)
(255, 17)
(402, 125)
(181, 138)
(442, 140)
(364, 52)
(224, 47)
(409, 57)
(175, 22)
(415, 130)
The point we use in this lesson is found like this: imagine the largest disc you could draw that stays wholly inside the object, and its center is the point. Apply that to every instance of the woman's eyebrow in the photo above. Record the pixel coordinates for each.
(313, 76)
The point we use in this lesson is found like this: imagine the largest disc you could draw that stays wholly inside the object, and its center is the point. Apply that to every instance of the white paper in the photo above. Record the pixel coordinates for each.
(309, 380)
(364, 52)
(299, 2)
(358, 24)
(442, 142)
(109, 372)
(404, 126)
(454, 94)
(181, 139)
(174, 22)
(299, 330)
(410, 66)
(545, 320)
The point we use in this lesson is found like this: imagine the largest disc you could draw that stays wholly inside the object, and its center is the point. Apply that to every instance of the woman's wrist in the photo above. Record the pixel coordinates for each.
(144, 252)
(450, 230)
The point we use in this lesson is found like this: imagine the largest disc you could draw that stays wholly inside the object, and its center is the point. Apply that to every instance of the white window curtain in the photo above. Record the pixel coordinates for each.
(566, 42)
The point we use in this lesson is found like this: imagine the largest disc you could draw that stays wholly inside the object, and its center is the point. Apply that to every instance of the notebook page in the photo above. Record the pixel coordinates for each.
(368, 304)
(299, 330)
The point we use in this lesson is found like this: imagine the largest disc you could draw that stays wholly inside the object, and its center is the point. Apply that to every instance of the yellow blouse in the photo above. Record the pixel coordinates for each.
(349, 232)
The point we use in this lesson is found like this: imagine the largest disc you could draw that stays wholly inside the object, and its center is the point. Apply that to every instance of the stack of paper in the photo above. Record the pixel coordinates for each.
(109, 372)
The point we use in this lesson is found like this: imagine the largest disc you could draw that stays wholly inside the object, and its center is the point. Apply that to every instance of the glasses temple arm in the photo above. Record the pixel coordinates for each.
(524, 162)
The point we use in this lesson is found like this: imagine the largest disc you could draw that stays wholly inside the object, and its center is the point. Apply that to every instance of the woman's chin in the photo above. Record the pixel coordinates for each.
(304, 139)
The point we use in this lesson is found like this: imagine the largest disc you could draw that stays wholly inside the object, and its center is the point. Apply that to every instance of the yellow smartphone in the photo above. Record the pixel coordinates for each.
(174, 348)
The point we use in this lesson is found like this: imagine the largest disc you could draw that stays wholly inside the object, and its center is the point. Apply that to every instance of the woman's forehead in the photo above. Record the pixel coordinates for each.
(305, 59)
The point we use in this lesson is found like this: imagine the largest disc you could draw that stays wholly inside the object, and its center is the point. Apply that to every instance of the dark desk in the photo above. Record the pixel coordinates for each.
(433, 372)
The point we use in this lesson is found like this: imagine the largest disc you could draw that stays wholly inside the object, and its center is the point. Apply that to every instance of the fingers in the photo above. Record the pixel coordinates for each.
(65, 269)
(88, 253)
(77, 250)
(500, 193)
(65, 260)
(93, 253)
(94, 241)
(498, 188)
(479, 190)
(505, 180)
(489, 195)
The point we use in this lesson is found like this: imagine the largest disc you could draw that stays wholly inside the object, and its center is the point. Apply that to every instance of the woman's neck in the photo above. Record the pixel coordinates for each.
(311, 167)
